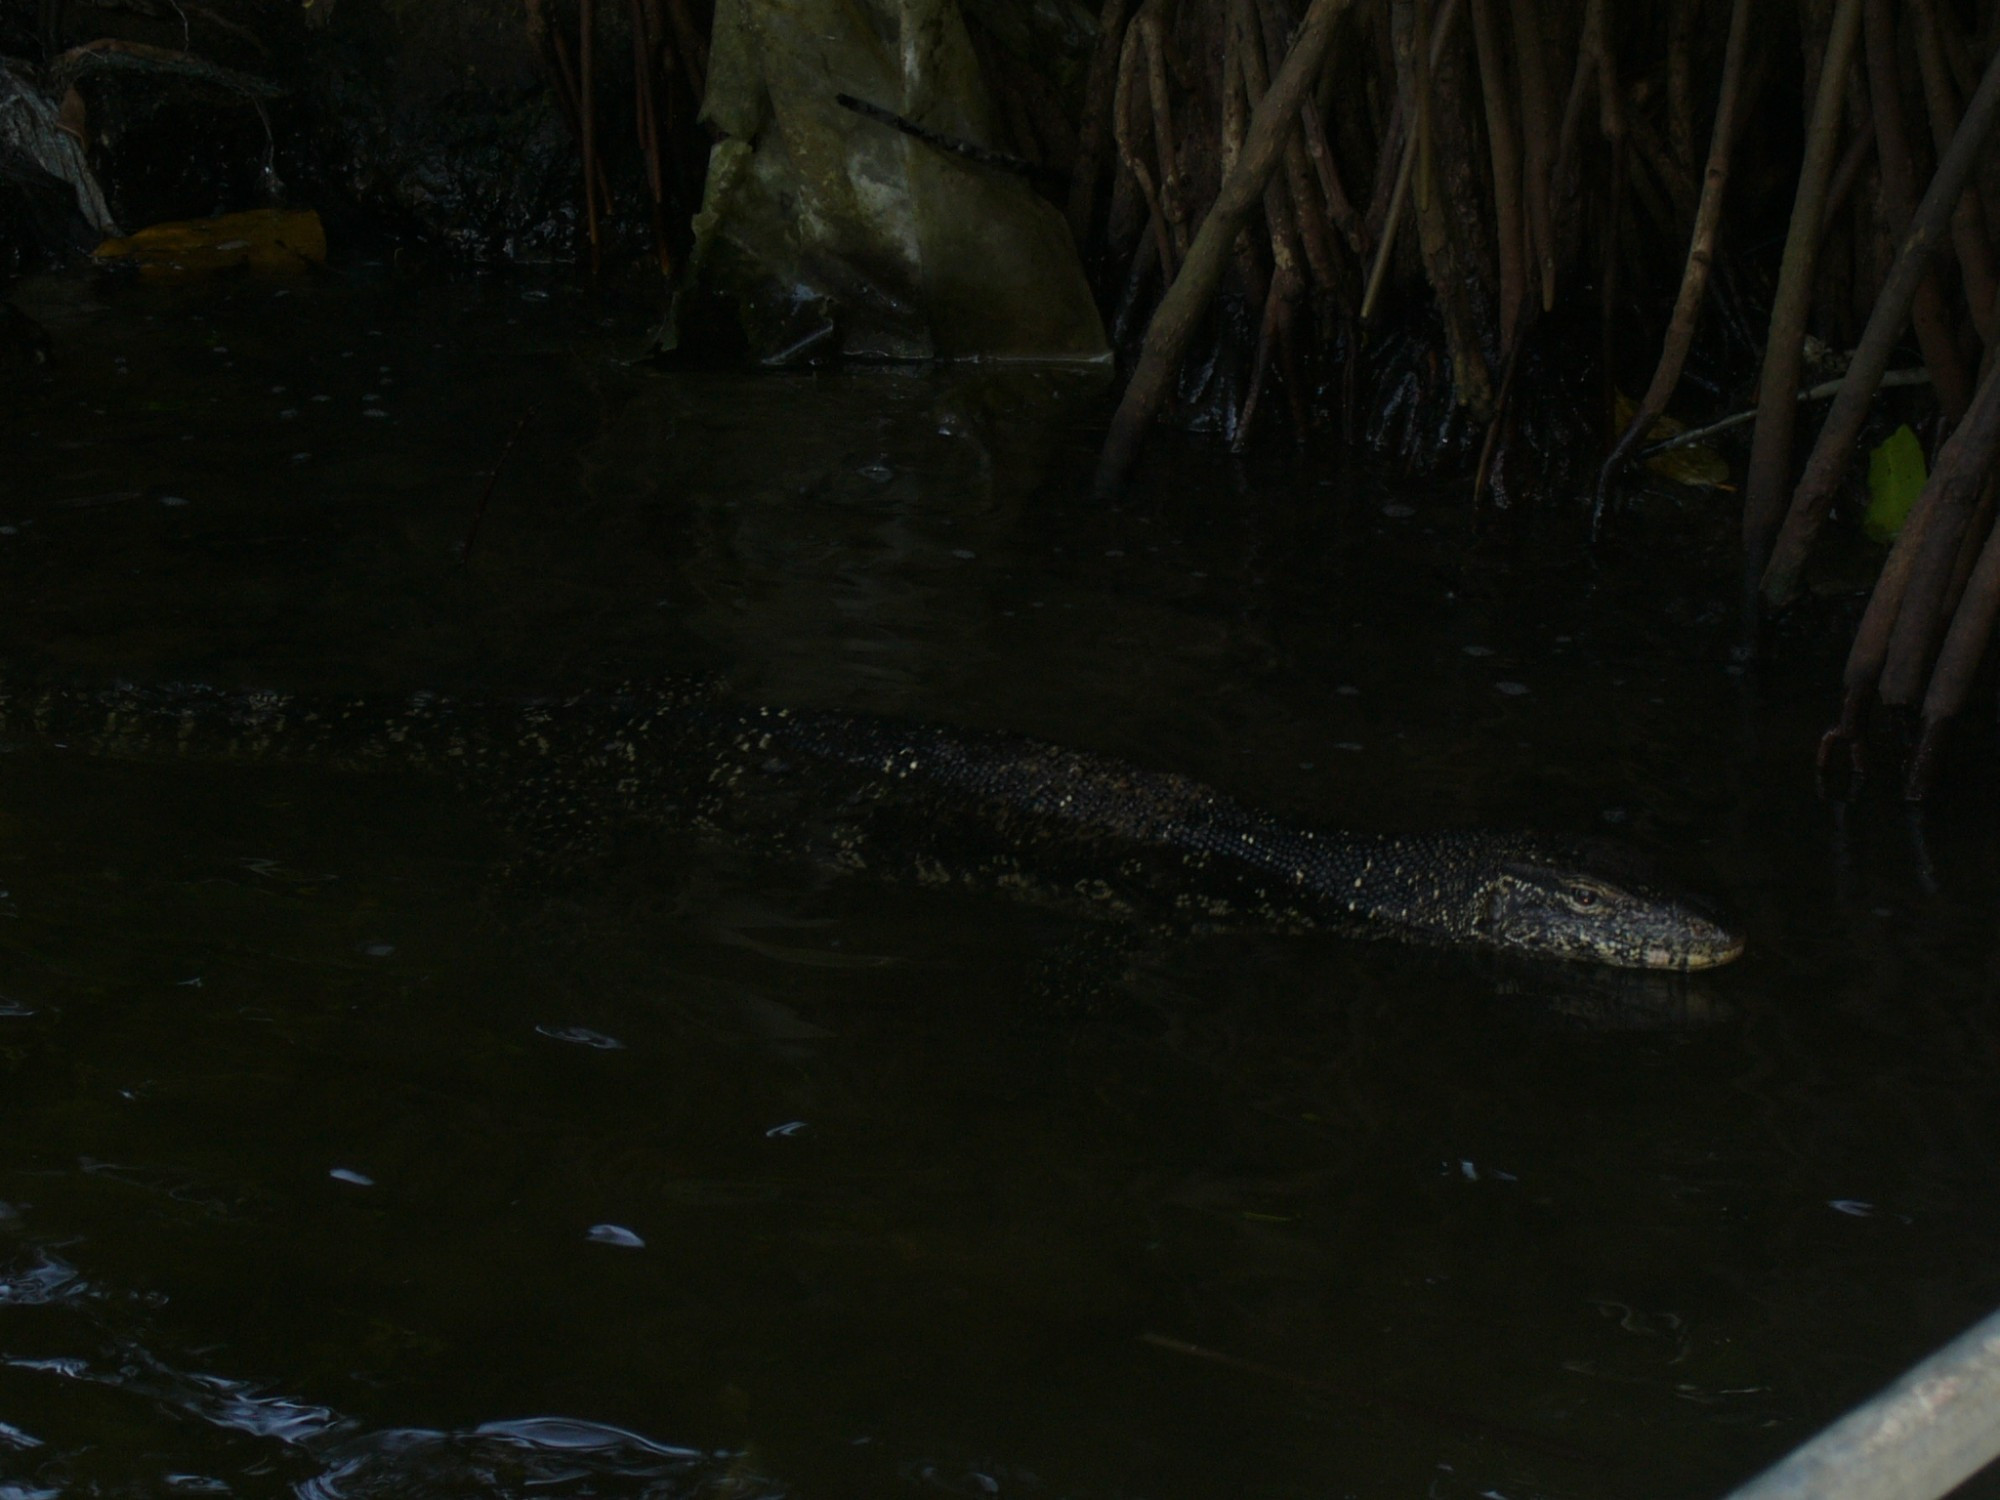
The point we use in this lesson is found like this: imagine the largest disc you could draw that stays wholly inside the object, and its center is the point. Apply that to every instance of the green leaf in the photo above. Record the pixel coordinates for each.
(1896, 477)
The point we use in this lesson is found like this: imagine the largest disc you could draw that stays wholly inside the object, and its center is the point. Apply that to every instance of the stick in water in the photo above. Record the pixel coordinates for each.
(492, 479)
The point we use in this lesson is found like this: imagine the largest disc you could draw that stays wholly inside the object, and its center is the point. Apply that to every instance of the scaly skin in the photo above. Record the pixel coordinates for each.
(940, 805)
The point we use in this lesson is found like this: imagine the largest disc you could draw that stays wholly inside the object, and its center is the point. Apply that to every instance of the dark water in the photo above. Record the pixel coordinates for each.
(336, 1162)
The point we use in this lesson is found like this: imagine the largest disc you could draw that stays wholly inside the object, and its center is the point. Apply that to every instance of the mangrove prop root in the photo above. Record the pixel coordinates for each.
(1964, 646)
(1680, 82)
(1846, 731)
(1504, 148)
(1131, 129)
(586, 28)
(1922, 616)
(1859, 148)
(556, 54)
(1388, 158)
(1289, 212)
(1446, 262)
(1607, 277)
(1398, 187)
(1834, 450)
(1892, 153)
(692, 44)
(646, 117)
(1537, 145)
(1410, 24)
(1267, 326)
(1188, 297)
(1920, 619)
(1969, 550)
(1961, 468)
(1771, 440)
(1658, 155)
(1569, 140)
(1493, 449)
(1392, 219)
(1968, 218)
(1339, 207)
(1173, 195)
(1308, 214)
(1700, 256)
(1096, 121)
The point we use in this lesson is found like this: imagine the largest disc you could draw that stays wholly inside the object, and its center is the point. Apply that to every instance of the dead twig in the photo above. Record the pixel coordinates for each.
(493, 479)
(1820, 392)
(1000, 161)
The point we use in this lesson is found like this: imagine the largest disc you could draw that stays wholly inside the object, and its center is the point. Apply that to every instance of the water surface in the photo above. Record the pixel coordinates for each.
(341, 1155)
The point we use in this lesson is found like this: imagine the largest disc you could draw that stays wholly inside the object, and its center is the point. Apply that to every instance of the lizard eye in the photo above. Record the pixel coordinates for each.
(1583, 895)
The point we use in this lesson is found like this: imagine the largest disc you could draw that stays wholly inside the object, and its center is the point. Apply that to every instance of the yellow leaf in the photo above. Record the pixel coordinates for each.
(1896, 477)
(268, 240)
(1697, 466)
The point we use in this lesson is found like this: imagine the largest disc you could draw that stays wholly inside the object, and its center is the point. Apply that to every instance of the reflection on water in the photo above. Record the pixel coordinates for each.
(337, 1160)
